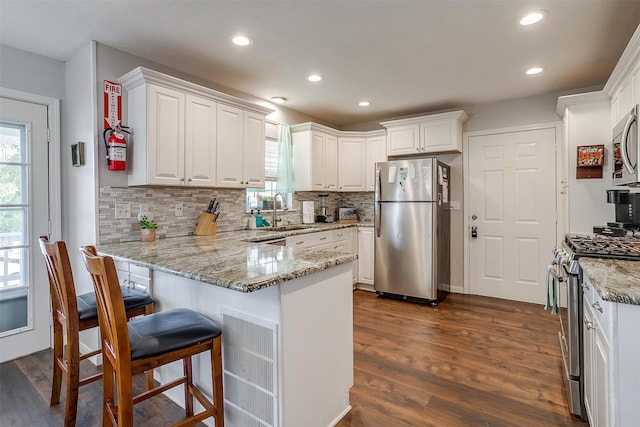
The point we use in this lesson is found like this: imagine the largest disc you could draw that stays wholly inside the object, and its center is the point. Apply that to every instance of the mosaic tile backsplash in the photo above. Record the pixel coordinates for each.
(162, 202)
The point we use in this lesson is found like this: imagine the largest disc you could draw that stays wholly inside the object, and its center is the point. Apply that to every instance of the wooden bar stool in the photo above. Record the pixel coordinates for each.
(147, 343)
(74, 313)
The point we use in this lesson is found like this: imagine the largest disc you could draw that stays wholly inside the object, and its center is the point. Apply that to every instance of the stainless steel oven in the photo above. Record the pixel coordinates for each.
(567, 275)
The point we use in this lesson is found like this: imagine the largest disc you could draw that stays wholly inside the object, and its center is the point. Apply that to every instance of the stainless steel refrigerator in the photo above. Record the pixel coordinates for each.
(412, 229)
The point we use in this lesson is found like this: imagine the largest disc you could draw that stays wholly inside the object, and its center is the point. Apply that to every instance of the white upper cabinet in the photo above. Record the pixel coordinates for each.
(186, 134)
(432, 134)
(254, 137)
(200, 141)
(623, 85)
(358, 153)
(351, 160)
(241, 148)
(376, 151)
(315, 157)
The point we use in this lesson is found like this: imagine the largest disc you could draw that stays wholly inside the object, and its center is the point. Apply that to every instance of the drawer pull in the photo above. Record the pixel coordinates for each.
(299, 243)
(589, 325)
(598, 307)
(323, 238)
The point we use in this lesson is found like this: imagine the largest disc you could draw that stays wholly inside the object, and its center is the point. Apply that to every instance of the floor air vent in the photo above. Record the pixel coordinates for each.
(250, 370)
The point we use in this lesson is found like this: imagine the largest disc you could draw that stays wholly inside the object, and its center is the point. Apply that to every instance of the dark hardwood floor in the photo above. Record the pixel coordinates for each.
(471, 361)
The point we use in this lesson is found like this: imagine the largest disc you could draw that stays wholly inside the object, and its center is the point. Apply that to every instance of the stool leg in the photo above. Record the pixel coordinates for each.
(188, 395)
(149, 374)
(73, 383)
(216, 380)
(58, 355)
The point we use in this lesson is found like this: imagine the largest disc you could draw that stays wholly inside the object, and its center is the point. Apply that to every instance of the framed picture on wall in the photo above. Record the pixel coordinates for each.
(590, 161)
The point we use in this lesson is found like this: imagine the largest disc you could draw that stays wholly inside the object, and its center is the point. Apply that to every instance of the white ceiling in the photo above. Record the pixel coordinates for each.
(405, 57)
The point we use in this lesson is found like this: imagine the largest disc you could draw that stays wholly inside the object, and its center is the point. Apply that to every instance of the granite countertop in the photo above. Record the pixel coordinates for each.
(614, 280)
(235, 260)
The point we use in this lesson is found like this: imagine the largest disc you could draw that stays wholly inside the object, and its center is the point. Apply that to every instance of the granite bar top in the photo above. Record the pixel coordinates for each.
(614, 280)
(235, 260)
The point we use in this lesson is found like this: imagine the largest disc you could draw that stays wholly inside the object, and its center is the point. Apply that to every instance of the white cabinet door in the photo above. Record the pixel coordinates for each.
(254, 136)
(331, 162)
(376, 151)
(403, 140)
(365, 255)
(601, 387)
(200, 141)
(165, 139)
(440, 136)
(318, 161)
(587, 346)
(230, 146)
(351, 160)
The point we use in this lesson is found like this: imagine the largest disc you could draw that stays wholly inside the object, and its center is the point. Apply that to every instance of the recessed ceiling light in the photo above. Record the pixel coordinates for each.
(279, 99)
(364, 103)
(314, 78)
(532, 18)
(241, 40)
(535, 70)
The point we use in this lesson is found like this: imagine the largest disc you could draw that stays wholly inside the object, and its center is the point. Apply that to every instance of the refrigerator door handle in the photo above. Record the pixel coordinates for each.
(376, 217)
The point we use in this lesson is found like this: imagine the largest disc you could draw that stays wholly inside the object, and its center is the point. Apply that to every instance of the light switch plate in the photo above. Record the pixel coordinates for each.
(455, 205)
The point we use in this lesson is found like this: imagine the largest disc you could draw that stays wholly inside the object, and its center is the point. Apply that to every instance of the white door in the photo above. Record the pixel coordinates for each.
(512, 204)
(24, 216)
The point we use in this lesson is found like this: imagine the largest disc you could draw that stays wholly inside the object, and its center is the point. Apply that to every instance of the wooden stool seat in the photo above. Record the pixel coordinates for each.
(72, 314)
(147, 343)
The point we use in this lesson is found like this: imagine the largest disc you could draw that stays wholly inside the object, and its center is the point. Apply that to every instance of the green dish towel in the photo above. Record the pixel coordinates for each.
(552, 292)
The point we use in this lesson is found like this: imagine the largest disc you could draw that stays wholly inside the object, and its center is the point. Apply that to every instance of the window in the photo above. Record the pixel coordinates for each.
(262, 198)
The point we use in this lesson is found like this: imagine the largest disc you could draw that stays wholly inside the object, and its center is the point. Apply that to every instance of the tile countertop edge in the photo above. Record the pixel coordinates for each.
(614, 280)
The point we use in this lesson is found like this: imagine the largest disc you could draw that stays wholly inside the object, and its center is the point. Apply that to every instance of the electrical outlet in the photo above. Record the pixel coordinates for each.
(455, 205)
(123, 211)
(179, 209)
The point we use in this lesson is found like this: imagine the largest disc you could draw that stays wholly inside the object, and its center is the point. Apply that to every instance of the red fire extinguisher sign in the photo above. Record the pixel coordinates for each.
(112, 104)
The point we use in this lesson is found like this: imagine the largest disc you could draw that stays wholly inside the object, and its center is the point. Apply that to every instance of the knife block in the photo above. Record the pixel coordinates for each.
(205, 226)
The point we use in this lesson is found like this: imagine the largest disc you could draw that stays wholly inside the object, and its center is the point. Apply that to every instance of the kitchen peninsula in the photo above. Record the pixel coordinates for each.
(286, 316)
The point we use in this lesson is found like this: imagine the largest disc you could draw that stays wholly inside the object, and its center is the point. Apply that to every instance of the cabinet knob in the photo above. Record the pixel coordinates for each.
(418, 149)
(588, 325)
(181, 179)
(190, 179)
(597, 306)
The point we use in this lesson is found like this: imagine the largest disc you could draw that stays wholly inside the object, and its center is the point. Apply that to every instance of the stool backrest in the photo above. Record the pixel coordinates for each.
(111, 312)
(61, 286)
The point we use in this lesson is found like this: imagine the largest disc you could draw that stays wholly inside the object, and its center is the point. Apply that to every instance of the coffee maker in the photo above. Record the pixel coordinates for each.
(627, 213)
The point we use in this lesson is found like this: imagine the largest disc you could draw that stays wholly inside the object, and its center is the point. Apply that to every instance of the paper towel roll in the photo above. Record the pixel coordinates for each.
(308, 212)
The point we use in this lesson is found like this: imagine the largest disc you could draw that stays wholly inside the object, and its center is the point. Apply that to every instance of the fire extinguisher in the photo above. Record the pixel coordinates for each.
(116, 147)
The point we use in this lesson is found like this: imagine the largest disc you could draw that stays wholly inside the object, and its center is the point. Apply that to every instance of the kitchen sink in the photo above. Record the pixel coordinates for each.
(290, 227)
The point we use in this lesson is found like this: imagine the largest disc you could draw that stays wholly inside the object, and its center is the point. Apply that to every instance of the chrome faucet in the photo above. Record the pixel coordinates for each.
(284, 207)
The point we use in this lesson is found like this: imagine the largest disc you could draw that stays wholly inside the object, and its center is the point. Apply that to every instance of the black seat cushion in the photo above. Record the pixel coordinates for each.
(132, 299)
(170, 330)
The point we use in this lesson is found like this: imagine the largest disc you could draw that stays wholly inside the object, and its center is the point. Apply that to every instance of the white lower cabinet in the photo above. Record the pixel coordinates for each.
(340, 240)
(611, 370)
(365, 255)
(596, 365)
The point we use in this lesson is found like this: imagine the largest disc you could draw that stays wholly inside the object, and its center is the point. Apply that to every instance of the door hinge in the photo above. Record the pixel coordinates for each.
(48, 135)
(49, 229)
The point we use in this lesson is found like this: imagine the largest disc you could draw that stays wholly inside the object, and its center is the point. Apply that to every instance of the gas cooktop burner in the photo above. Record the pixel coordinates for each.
(605, 246)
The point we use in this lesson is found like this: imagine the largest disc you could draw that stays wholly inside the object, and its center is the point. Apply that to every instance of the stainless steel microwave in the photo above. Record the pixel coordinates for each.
(626, 149)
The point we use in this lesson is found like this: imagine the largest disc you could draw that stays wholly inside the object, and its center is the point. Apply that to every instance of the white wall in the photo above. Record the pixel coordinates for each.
(588, 124)
(79, 183)
(24, 71)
